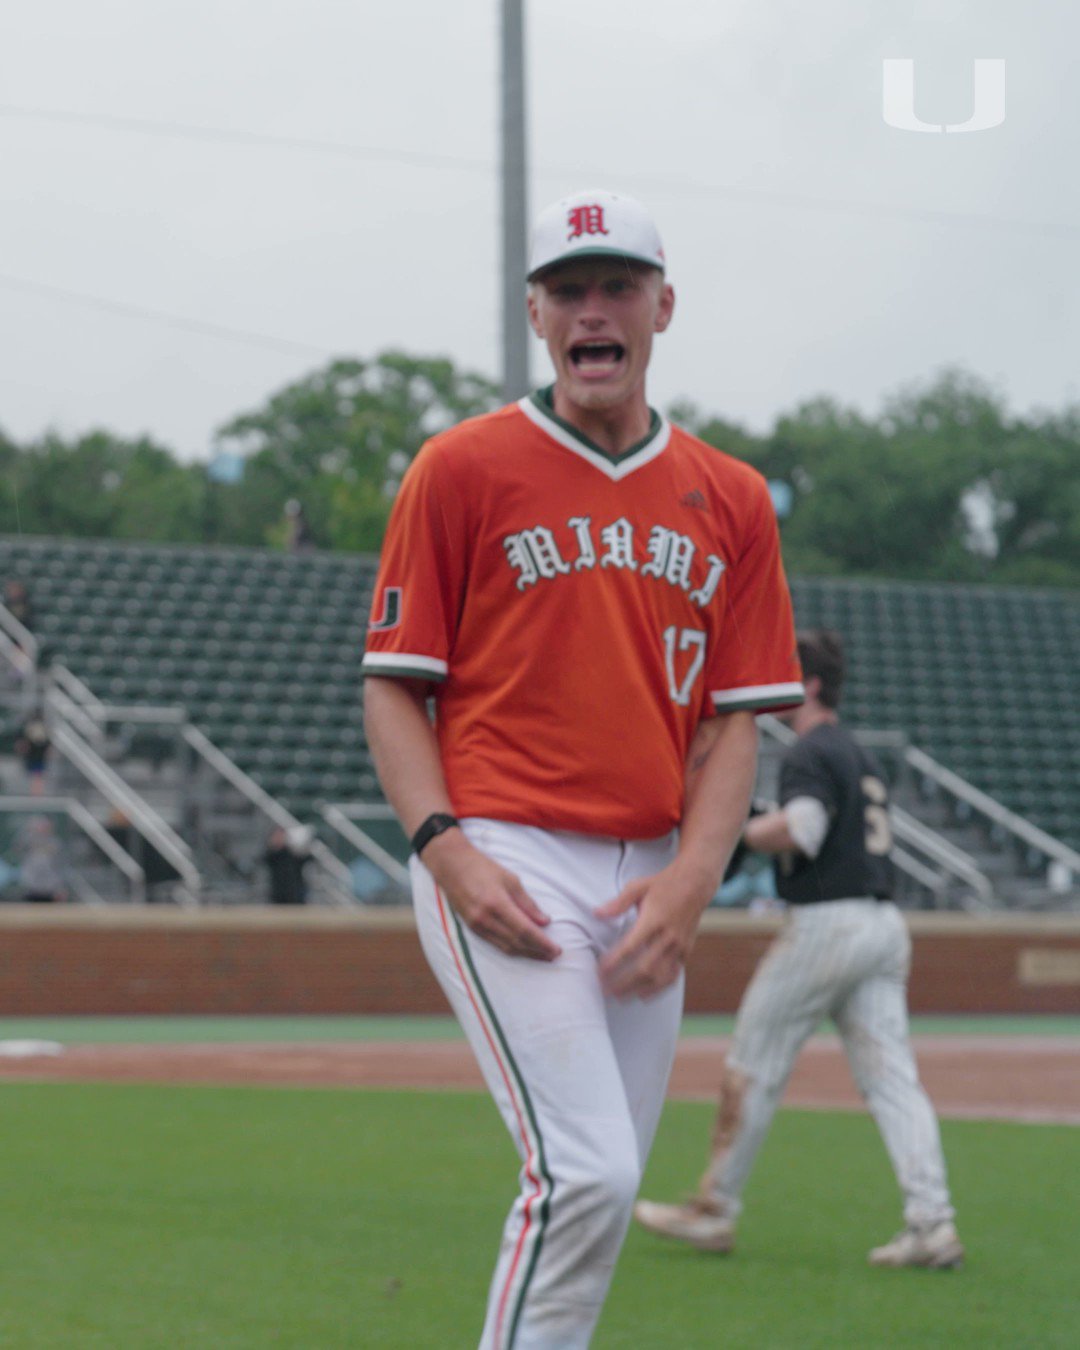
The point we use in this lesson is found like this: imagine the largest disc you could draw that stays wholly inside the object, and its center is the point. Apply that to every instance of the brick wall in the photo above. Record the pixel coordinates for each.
(121, 960)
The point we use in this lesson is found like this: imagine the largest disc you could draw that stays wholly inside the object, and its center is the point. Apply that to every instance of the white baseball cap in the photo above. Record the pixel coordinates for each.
(594, 224)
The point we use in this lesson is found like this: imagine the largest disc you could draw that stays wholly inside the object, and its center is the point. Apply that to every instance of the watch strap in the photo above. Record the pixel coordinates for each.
(437, 823)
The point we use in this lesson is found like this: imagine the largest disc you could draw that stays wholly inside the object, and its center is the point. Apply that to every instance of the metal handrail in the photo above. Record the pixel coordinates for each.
(76, 690)
(270, 807)
(16, 654)
(80, 703)
(338, 874)
(363, 843)
(22, 635)
(934, 882)
(773, 727)
(365, 810)
(945, 854)
(70, 710)
(116, 853)
(172, 714)
(93, 829)
(84, 892)
(913, 832)
(993, 810)
(147, 822)
(919, 761)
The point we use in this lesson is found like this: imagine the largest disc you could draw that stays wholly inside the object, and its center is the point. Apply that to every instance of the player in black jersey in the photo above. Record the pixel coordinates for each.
(844, 953)
(840, 811)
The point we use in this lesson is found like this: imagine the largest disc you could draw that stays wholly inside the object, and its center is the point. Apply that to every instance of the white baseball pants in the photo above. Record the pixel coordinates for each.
(578, 1078)
(848, 960)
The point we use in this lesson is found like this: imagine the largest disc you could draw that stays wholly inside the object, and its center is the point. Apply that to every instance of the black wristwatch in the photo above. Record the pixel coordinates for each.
(435, 824)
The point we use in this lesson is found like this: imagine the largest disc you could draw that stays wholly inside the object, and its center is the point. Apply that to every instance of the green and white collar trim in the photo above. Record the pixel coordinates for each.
(538, 409)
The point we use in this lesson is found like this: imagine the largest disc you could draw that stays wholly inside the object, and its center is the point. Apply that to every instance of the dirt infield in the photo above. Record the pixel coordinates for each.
(1025, 1078)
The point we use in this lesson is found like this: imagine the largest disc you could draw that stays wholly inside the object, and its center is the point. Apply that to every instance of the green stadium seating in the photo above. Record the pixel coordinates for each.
(980, 677)
(263, 650)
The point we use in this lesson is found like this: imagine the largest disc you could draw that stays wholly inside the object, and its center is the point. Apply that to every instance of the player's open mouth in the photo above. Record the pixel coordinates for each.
(596, 355)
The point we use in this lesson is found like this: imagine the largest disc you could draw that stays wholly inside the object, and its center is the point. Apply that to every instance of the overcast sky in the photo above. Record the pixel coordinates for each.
(813, 248)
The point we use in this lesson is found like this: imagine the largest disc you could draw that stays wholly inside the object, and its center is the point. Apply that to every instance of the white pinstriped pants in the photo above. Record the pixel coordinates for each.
(848, 960)
(579, 1079)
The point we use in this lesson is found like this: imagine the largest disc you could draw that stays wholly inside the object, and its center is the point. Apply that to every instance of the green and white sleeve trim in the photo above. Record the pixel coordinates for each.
(404, 664)
(758, 696)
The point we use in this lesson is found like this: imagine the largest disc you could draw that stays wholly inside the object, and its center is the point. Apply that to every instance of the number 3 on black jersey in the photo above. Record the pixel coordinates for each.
(876, 815)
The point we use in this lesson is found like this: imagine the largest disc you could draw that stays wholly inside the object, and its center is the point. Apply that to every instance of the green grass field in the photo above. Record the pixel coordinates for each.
(139, 1217)
(145, 1030)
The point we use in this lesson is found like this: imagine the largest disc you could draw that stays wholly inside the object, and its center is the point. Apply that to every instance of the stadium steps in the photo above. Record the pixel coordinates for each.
(982, 678)
(262, 650)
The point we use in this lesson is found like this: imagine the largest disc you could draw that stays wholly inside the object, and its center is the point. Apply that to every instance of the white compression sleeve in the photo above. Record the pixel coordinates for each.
(808, 824)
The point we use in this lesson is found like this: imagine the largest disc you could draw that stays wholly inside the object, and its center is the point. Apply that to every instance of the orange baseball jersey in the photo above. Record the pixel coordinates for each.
(580, 614)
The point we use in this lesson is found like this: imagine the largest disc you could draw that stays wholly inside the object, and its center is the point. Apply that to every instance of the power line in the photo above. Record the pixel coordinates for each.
(169, 320)
(225, 136)
(248, 337)
(666, 182)
(873, 210)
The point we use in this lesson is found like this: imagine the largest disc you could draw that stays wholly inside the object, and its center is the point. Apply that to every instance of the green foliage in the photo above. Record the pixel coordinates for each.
(98, 486)
(138, 1218)
(340, 439)
(942, 484)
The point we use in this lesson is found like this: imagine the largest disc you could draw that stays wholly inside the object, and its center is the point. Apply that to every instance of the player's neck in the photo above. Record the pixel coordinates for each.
(613, 430)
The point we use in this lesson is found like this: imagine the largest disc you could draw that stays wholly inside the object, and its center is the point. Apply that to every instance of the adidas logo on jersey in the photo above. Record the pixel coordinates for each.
(696, 498)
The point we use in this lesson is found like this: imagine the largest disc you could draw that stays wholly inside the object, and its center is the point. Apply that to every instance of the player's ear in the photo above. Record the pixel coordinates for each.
(534, 312)
(666, 307)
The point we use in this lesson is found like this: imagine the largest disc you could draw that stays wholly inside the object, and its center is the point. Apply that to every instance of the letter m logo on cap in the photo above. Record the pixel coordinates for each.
(585, 220)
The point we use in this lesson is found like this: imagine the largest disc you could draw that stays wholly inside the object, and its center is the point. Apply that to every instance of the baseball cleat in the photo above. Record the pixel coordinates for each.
(934, 1248)
(700, 1222)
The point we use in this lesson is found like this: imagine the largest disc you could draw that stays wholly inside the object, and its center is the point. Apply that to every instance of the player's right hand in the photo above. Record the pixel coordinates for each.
(489, 899)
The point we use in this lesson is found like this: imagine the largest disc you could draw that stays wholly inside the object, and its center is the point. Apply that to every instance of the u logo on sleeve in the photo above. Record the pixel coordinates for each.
(391, 611)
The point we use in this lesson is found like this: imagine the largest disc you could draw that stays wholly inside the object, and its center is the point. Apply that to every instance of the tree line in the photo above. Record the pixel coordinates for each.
(943, 483)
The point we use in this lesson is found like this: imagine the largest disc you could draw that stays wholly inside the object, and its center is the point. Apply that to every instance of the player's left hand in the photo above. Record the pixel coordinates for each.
(652, 953)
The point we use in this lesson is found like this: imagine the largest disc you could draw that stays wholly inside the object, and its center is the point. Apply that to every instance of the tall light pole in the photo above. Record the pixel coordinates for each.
(515, 333)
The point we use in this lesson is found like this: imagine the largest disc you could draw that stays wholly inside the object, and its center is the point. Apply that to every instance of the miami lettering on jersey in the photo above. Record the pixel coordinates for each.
(579, 614)
(534, 554)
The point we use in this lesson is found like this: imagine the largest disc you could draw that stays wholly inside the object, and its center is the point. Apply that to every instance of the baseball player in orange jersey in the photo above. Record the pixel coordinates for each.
(597, 602)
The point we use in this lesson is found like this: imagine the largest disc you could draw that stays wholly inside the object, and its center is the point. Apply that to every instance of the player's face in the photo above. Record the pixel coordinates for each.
(598, 317)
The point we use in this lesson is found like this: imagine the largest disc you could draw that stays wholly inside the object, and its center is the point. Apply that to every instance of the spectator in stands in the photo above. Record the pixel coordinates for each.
(17, 602)
(156, 871)
(43, 874)
(287, 854)
(298, 536)
(121, 829)
(32, 746)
